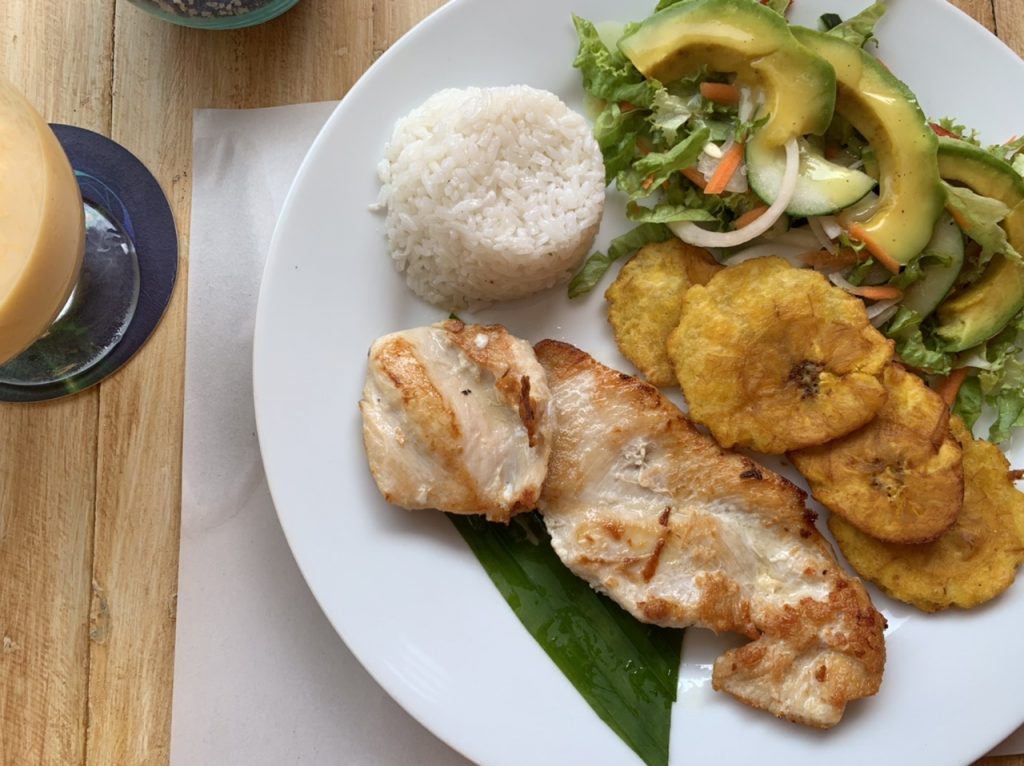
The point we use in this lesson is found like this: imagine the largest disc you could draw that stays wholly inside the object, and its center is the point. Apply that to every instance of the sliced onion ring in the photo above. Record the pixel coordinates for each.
(881, 312)
(823, 238)
(693, 234)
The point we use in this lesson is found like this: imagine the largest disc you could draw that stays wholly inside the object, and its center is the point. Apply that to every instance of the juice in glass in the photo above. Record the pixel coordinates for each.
(42, 227)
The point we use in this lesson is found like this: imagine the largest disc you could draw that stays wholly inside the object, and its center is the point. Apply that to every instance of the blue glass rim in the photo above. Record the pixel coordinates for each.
(258, 16)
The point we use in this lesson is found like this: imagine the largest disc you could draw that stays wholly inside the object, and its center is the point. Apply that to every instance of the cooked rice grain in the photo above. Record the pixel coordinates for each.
(491, 194)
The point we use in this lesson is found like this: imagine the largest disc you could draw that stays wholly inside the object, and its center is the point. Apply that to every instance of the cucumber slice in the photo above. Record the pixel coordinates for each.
(821, 188)
(938, 276)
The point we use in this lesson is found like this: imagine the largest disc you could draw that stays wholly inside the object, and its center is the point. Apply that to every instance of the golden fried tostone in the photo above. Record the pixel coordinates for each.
(899, 478)
(645, 299)
(775, 358)
(973, 562)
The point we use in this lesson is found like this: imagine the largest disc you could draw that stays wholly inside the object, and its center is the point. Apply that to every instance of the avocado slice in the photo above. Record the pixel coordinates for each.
(755, 43)
(887, 114)
(979, 311)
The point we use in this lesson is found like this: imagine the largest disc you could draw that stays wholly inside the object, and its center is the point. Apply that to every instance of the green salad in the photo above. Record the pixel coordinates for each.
(729, 128)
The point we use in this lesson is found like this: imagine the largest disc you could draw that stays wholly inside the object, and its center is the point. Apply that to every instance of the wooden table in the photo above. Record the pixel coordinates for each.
(90, 486)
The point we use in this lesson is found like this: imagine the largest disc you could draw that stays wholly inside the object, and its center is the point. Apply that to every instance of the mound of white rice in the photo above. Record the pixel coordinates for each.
(491, 194)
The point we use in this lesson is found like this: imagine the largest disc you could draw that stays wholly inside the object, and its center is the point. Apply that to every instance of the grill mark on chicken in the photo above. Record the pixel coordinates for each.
(526, 412)
(652, 512)
(457, 417)
(428, 417)
(490, 346)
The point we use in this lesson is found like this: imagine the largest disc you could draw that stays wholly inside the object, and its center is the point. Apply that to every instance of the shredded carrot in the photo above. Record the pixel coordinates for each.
(644, 146)
(695, 176)
(823, 259)
(858, 232)
(720, 92)
(648, 182)
(749, 217)
(727, 167)
(625, 106)
(878, 292)
(950, 386)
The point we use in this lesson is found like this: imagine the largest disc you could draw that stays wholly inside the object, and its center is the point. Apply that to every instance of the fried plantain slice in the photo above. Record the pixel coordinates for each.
(775, 358)
(973, 562)
(899, 478)
(645, 299)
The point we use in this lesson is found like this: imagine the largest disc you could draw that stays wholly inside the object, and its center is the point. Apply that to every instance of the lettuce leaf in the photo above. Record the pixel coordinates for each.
(1010, 151)
(1002, 378)
(979, 218)
(998, 385)
(607, 74)
(667, 213)
(1009, 414)
(968, 401)
(647, 174)
(670, 113)
(913, 347)
(915, 352)
(616, 133)
(960, 131)
(598, 263)
(860, 29)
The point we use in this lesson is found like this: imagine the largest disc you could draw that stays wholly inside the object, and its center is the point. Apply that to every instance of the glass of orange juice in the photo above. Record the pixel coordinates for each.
(42, 225)
(70, 277)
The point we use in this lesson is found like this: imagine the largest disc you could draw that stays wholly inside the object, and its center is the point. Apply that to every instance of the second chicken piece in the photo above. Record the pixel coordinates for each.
(680, 532)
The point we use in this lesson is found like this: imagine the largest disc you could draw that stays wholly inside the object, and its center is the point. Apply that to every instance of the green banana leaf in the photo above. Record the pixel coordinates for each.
(626, 671)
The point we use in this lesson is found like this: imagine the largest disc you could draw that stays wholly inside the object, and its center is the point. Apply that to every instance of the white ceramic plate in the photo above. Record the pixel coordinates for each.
(402, 589)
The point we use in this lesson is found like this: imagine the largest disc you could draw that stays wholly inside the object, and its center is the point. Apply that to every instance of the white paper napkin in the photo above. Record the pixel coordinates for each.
(260, 677)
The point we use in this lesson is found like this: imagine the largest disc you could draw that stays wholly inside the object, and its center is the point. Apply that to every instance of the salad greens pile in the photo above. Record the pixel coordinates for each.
(659, 139)
(648, 131)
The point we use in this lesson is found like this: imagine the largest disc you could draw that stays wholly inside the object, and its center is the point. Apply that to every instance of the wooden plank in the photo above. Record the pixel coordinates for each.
(393, 18)
(1010, 25)
(1002, 760)
(981, 10)
(59, 55)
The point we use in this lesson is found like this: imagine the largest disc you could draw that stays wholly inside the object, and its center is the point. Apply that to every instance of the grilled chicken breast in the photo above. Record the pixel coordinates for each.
(457, 417)
(680, 532)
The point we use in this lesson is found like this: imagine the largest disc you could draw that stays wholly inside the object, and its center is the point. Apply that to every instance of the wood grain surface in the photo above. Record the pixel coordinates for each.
(90, 485)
